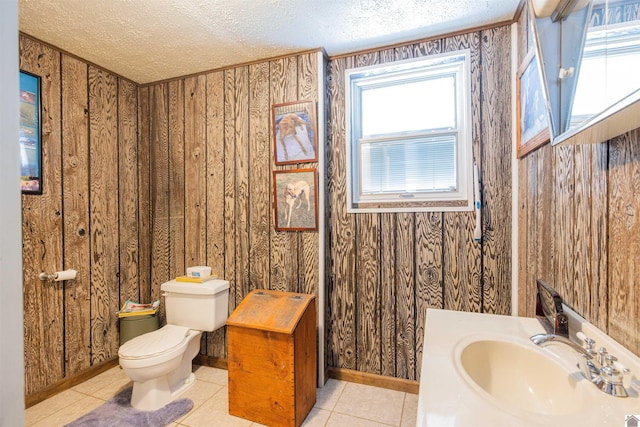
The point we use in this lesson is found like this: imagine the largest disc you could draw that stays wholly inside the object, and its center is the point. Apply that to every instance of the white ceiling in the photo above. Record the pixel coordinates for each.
(152, 40)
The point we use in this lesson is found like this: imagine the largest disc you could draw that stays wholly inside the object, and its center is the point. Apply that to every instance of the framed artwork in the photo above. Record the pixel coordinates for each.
(532, 120)
(30, 134)
(294, 132)
(295, 195)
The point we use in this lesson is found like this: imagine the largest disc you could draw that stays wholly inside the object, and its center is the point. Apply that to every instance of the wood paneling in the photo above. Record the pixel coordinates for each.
(210, 178)
(577, 210)
(407, 262)
(103, 211)
(89, 218)
(75, 172)
(42, 232)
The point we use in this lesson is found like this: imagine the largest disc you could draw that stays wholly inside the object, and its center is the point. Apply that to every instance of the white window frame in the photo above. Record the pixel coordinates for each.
(453, 63)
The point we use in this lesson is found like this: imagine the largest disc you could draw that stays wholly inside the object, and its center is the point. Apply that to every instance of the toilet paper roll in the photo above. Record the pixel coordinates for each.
(65, 275)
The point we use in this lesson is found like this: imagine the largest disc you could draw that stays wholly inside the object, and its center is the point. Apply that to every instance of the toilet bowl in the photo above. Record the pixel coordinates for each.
(160, 362)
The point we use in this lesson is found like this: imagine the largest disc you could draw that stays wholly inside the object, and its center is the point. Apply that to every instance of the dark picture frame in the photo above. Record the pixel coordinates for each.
(532, 120)
(30, 137)
(295, 195)
(294, 132)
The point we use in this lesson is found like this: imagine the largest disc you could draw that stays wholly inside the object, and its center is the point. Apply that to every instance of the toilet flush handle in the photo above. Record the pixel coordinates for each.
(164, 294)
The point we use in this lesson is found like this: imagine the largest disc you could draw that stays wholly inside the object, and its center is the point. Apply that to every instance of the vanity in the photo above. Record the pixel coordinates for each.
(484, 370)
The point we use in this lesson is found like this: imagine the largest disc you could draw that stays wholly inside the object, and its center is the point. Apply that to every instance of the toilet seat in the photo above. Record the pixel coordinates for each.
(155, 347)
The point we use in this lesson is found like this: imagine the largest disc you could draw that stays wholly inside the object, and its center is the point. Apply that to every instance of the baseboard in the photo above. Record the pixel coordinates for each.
(391, 383)
(67, 383)
(210, 361)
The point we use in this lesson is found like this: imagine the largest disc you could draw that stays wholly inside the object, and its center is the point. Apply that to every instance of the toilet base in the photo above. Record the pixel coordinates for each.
(153, 394)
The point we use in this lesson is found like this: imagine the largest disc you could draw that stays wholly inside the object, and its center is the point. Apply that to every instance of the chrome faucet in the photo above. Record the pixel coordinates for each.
(588, 365)
(602, 373)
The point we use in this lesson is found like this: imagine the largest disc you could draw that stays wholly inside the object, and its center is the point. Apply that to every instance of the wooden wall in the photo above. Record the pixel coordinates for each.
(87, 218)
(209, 143)
(385, 270)
(578, 211)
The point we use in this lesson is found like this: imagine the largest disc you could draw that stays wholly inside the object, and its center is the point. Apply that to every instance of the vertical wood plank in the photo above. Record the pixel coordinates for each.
(581, 235)
(308, 261)
(42, 231)
(259, 175)
(341, 295)
(544, 170)
(367, 257)
(177, 178)
(230, 187)
(284, 245)
(241, 112)
(523, 236)
(159, 130)
(534, 228)
(215, 195)
(128, 191)
(103, 205)
(598, 309)
(195, 158)
(144, 192)
(428, 255)
(388, 294)
(495, 170)
(624, 239)
(563, 249)
(405, 296)
(75, 190)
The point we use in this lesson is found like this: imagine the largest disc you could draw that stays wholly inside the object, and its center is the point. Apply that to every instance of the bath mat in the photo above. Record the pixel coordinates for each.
(118, 412)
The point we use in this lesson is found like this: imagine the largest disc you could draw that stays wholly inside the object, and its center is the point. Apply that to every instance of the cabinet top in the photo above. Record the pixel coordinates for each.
(269, 310)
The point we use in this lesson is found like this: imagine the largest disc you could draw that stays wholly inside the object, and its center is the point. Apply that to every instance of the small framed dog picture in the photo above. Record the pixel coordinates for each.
(294, 132)
(295, 195)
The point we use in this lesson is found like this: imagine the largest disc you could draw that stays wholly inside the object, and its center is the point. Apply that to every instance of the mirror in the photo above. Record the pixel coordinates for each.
(591, 59)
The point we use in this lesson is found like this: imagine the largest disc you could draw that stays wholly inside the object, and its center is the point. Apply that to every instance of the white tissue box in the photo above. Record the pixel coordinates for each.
(199, 271)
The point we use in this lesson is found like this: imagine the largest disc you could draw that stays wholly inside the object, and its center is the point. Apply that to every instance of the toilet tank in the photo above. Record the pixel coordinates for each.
(200, 306)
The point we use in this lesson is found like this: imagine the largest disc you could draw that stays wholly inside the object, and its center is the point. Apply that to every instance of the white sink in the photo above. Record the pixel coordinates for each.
(520, 375)
(483, 370)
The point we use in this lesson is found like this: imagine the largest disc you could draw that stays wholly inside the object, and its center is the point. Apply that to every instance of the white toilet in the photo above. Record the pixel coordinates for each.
(159, 362)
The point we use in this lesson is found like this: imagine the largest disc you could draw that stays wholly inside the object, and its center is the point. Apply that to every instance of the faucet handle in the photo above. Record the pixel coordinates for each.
(588, 341)
(603, 355)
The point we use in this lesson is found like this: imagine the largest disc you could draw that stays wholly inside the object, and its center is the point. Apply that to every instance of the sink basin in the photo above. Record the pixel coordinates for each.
(517, 375)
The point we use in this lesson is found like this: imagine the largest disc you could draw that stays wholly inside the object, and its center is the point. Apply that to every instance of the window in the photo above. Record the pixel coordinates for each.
(409, 135)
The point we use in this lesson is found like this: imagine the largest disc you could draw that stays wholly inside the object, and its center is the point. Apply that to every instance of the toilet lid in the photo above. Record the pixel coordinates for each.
(154, 343)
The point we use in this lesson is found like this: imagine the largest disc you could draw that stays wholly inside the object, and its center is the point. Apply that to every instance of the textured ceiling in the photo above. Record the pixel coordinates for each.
(152, 40)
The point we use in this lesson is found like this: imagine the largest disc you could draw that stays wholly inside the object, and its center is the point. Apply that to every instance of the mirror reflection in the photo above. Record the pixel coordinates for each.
(610, 61)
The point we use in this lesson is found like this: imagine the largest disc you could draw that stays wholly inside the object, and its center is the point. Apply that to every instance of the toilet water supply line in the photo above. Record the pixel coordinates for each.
(477, 233)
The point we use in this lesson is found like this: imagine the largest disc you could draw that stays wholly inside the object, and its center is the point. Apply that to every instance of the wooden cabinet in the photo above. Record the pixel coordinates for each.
(272, 358)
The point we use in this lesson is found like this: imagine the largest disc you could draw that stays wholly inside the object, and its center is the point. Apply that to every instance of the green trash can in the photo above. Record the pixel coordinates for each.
(132, 326)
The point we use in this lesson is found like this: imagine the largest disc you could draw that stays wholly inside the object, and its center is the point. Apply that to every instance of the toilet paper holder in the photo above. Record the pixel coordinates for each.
(58, 276)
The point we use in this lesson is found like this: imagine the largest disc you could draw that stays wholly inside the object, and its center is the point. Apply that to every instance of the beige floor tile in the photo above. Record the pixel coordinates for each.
(212, 375)
(316, 418)
(50, 406)
(410, 410)
(71, 412)
(199, 394)
(214, 412)
(99, 382)
(342, 420)
(327, 397)
(113, 388)
(371, 403)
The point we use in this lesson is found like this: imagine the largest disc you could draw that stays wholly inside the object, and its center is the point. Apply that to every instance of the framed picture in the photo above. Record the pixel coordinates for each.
(30, 134)
(295, 195)
(294, 132)
(532, 123)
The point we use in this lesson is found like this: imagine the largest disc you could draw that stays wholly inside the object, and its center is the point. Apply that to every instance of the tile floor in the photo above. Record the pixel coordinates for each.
(338, 404)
